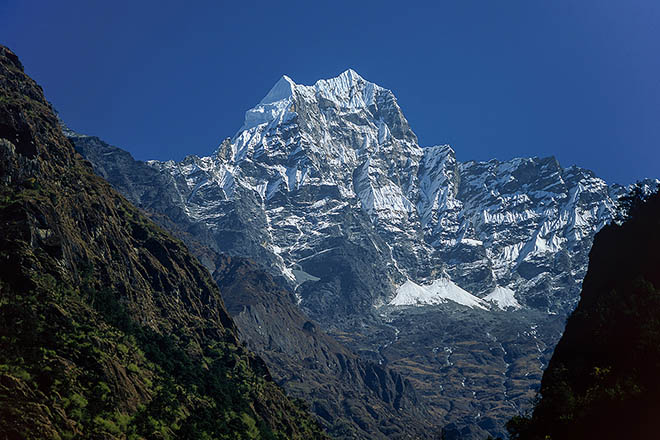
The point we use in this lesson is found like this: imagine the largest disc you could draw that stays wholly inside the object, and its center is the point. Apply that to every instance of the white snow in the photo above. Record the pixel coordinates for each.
(438, 292)
(472, 242)
(275, 107)
(341, 89)
(503, 297)
(281, 90)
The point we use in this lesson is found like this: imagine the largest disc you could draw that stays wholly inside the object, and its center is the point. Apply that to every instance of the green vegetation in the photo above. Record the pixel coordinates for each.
(73, 351)
(60, 348)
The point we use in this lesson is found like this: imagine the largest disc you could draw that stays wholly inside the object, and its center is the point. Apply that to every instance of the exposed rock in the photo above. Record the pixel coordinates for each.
(311, 365)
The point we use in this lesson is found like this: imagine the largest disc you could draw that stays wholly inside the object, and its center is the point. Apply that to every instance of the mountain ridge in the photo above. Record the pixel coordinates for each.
(430, 196)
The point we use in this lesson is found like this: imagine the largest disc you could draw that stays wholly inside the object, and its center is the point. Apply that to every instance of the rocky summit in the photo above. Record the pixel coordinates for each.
(456, 275)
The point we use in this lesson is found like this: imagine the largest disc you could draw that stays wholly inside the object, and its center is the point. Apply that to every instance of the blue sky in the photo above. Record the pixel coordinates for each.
(579, 80)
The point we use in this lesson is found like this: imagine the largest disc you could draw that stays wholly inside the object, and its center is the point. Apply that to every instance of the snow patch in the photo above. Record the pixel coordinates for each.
(438, 292)
(503, 297)
(275, 107)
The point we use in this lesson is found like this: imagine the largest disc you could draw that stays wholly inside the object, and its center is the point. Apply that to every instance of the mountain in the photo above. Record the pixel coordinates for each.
(602, 381)
(354, 398)
(310, 158)
(458, 275)
(110, 328)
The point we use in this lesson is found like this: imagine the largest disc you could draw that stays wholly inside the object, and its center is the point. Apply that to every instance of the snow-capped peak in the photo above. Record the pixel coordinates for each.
(351, 75)
(275, 107)
(282, 89)
(348, 90)
(363, 117)
(348, 79)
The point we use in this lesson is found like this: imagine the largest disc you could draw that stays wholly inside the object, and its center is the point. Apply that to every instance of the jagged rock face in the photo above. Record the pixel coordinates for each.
(527, 224)
(329, 178)
(327, 187)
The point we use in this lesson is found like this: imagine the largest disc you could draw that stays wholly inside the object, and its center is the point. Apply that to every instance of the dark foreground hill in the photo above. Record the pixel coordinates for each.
(109, 328)
(604, 377)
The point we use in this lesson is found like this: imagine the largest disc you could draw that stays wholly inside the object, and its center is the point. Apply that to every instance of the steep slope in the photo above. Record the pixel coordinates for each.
(602, 381)
(109, 328)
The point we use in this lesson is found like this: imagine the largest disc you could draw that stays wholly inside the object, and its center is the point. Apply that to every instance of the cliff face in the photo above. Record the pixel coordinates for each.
(109, 328)
(602, 380)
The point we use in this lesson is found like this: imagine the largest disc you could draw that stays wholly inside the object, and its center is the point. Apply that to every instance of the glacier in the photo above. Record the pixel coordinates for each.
(503, 297)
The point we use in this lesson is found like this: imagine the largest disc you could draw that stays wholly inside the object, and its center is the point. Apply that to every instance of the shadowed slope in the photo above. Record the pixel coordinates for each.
(602, 381)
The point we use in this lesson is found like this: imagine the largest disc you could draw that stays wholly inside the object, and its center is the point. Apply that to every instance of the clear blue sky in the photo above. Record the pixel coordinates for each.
(576, 79)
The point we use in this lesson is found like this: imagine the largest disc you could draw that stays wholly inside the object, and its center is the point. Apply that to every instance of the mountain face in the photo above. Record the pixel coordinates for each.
(110, 328)
(333, 172)
(458, 275)
(602, 380)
